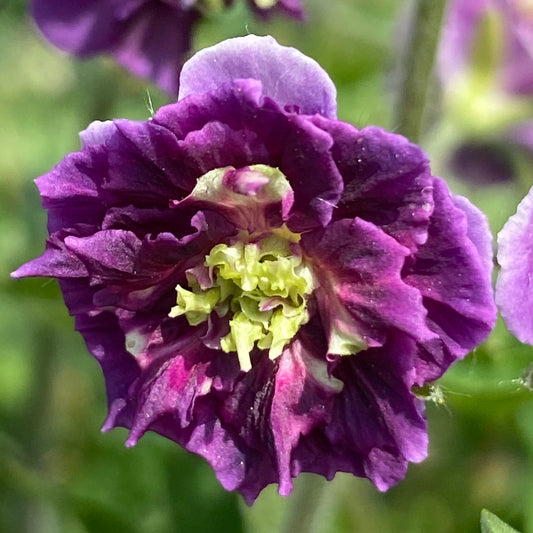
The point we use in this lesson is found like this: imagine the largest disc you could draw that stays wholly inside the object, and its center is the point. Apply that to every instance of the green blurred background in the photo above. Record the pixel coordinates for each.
(58, 473)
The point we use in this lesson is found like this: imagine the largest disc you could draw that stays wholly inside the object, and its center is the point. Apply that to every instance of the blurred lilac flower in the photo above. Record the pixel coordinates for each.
(492, 42)
(261, 282)
(515, 256)
(509, 24)
(486, 68)
(148, 37)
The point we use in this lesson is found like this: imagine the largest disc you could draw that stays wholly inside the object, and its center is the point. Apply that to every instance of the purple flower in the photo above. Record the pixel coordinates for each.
(148, 37)
(486, 68)
(506, 25)
(514, 295)
(261, 282)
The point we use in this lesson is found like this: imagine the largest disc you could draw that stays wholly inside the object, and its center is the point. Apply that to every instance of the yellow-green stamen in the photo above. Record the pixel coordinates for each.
(261, 285)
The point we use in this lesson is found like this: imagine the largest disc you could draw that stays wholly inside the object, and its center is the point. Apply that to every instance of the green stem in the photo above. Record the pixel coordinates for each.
(303, 508)
(418, 66)
(39, 513)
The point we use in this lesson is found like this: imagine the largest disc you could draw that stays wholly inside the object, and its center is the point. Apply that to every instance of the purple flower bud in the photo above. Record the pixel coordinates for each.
(261, 282)
(148, 37)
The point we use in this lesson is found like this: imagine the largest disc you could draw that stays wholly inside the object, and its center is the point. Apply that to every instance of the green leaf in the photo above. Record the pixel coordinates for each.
(490, 523)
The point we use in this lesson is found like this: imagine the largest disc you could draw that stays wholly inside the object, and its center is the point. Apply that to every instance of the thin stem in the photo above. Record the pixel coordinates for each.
(304, 505)
(418, 66)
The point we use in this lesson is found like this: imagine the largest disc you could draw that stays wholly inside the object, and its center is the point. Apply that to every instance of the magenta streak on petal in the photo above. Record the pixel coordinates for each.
(376, 425)
(302, 400)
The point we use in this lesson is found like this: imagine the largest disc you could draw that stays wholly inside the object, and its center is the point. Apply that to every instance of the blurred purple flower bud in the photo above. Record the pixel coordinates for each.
(148, 37)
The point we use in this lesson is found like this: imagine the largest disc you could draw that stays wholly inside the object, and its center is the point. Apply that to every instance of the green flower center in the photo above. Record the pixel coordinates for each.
(260, 284)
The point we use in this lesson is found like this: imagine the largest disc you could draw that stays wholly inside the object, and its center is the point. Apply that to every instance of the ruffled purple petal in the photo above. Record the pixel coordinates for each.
(217, 145)
(377, 426)
(144, 165)
(290, 78)
(106, 342)
(478, 232)
(71, 190)
(294, 144)
(145, 220)
(175, 397)
(57, 261)
(302, 400)
(210, 440)
(307, 161)
(171, 388)
(361, 294)
(387, 180)
(514, 294)
(97, 133)
(273, 406)
(109, 255)
(454, 280)
(141, 274)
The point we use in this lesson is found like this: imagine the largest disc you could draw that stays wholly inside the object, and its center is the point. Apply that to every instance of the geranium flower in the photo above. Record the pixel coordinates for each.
(148, 37)
(261, 282)
(504, 28)
(486, 69)
(515, 256)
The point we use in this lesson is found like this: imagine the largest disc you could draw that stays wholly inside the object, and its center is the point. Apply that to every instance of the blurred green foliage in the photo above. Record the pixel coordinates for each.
(58, 473)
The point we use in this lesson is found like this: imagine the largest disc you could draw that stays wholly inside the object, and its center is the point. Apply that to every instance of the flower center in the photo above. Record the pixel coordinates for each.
(260, 283)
